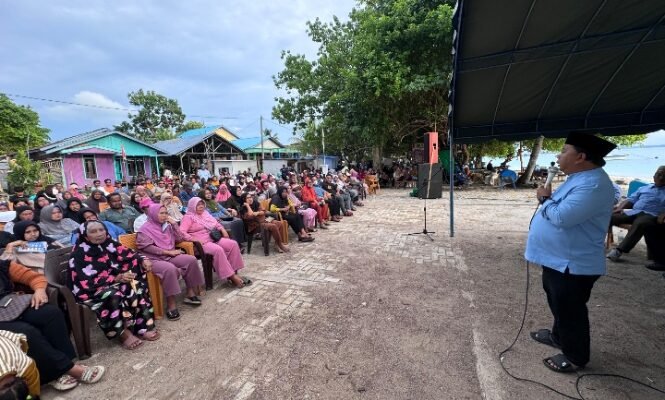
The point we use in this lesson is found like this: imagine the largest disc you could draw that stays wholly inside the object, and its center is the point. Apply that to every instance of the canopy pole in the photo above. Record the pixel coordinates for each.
(451, 119)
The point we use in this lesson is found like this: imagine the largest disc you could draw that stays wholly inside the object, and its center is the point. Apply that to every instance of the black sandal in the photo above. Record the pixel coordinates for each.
(560, 363)
(246, 280)
(173, 315)
(544, 336)
(192, 301)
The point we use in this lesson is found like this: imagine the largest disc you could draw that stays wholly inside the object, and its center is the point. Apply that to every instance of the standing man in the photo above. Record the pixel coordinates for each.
(566, 238)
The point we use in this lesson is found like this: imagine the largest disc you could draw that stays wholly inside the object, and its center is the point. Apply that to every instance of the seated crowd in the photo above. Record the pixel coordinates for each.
(222, 213)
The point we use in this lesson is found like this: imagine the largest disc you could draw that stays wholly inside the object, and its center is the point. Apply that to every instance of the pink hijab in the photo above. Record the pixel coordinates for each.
(205, 219)
(164, 239)
(223, 196)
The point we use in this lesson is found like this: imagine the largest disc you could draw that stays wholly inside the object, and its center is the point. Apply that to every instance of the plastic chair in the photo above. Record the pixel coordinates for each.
(265, 204)
(154, 284)
(56, 269)
(632, 188)
(634, 185)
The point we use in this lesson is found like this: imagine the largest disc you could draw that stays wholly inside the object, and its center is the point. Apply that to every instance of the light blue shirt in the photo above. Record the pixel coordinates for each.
(649, 199)
(568, 230)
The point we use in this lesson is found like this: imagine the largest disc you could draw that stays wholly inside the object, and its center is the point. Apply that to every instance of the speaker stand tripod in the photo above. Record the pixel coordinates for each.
(425, 231)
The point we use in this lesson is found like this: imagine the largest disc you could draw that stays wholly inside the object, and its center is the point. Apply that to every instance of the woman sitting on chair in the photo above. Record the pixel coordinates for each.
(54, 225)
(111, 280)
(308, 214)
(255, 218)
(280, 203)
(156, 240)
(309, 196)
(227, 260)
(172, 205)
(45, 327)
(227, 217)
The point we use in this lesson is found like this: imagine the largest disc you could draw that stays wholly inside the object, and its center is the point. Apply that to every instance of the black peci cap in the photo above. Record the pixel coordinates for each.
(595, 147)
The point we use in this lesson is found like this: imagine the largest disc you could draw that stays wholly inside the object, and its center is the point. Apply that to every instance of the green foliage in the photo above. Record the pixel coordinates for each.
(189, 125)
(380, 79)
(19, 127)
(156, 114)
(24, 172)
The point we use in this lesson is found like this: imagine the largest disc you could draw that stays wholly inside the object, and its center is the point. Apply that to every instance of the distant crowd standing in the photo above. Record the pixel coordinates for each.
(220, 211)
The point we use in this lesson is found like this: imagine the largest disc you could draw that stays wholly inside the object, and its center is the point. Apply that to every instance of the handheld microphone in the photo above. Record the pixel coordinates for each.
(550, 178)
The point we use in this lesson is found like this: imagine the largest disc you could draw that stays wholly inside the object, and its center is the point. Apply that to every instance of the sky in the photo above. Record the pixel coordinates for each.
(217, 58)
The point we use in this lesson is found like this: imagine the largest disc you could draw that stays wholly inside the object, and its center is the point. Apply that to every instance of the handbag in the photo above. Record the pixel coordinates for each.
(13, 305)
(216, 235)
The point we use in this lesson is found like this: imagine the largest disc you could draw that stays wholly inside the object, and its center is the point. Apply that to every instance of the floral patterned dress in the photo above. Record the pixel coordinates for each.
(92, 271)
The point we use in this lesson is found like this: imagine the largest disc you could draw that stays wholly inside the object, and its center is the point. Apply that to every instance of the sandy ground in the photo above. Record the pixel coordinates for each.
(367, 312)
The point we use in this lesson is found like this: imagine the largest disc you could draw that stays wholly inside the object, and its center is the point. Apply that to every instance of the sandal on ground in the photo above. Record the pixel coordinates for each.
(151, 336)
(237, 285)
(322, 226)
(560, 363)
(544, 336)
(305, 239)
(65, 382)
(245, 280)
(173, 315)
(131, 343)
(192, 301)
(92, 374)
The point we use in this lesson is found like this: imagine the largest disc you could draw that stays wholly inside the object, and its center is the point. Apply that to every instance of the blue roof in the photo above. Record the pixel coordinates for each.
(85, 137)
(199, 131)
(177, 146)
(247, 143)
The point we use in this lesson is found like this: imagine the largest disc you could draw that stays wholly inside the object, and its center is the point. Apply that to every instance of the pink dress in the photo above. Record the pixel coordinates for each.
(226, 256)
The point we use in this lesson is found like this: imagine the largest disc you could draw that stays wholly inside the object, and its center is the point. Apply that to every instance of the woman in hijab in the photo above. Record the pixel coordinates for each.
(226, 217)
(41, 200)
(255, 218)
(63, 202)
(88, 215)
(280, 203)
(54, 225)
(226, 257)
(23, 213)
(74, 206)
(27, 234)
(134, 201)
(223, 194)
(172, 208)
(46, 331)
(156, 240)
(315, 202)
(234, 201)
(308, 214)
(96, 197)
(111, 280)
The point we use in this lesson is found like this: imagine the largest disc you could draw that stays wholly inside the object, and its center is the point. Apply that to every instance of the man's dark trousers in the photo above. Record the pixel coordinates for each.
(639, 222)
(567, 296)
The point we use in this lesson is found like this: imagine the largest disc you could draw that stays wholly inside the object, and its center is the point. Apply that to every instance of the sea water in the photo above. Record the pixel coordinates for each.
(636, 162)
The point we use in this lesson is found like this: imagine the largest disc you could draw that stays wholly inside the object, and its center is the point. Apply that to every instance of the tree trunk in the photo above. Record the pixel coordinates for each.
(376, 157)
(533, 158)
(465, 154)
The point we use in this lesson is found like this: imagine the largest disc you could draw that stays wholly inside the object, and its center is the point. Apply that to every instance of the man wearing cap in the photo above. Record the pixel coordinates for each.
(642, 210)
(566, 238)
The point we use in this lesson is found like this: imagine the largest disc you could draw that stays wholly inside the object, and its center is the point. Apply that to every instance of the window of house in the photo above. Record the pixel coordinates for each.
(89, 167)
(135, 166)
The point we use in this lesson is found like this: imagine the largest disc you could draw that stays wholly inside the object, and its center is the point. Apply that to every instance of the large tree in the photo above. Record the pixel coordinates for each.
(19, 127)
(156, 114)
(379, 79)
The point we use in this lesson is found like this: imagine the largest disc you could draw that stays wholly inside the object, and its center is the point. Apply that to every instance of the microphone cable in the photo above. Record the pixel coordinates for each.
(580, 376)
